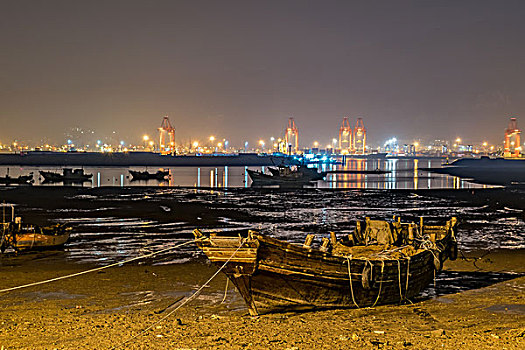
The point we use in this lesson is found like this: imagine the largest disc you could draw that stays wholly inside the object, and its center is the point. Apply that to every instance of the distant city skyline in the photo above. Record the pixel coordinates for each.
(238, 70)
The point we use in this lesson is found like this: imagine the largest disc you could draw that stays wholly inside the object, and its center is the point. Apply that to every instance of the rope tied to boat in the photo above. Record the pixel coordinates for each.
(98, 268)
(399, 280)
(225, 290)
(380, 282)
(348, 259)
(187, 300)
(408, 275)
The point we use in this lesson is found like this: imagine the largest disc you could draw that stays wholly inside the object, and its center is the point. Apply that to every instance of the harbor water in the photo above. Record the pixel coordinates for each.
(400, 174)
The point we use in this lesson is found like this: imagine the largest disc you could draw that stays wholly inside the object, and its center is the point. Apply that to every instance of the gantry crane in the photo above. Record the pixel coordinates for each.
(345, 137)
(512, 139)
(359, 141)
(291, 137)
(166, 129)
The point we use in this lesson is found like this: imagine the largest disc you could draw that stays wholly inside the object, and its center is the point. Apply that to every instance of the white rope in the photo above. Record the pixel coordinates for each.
(96, 269)
(380, 282)
(225, 290)
(191, 297)
(350, 278)
(399, 279)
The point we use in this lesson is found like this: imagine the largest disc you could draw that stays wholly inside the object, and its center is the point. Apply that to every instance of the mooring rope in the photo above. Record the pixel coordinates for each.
(408, 274)
(98, 268)
(225, 290)
(380, 282)
(191, 297)
(399, 279)
(350, 278)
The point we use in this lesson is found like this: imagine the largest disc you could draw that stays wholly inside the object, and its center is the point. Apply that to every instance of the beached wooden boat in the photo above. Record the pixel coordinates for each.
(379, 263)
(22, 236)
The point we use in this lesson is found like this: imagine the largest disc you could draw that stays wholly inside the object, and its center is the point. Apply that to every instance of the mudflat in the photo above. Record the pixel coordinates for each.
(478, 301)
(103, 309)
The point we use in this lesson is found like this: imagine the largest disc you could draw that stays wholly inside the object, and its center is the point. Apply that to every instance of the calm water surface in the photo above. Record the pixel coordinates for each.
(403, 174)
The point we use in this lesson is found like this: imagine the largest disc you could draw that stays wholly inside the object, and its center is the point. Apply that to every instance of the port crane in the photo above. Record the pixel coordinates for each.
(166, 131)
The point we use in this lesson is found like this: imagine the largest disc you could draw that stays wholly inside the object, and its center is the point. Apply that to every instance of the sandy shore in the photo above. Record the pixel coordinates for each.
(101, 310)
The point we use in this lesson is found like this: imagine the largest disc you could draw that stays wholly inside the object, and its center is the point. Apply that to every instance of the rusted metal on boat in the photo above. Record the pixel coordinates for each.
(379, 263)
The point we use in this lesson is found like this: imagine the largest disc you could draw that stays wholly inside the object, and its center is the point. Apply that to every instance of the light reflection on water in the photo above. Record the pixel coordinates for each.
(287, 215)
(403, 174)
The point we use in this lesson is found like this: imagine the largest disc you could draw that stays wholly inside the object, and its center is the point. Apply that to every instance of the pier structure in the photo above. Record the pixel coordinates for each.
(165, 146)
(512, 139)
(291, 137)
(345, 137)
(359, 139)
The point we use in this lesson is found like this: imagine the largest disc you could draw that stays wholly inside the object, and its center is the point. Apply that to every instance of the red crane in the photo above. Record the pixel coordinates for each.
(359, 145)
(512, 139)
(166, 129)
(345, 136)
(291, 137)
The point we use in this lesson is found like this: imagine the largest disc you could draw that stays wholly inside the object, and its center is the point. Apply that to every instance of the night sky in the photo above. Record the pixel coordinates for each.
(239, 69)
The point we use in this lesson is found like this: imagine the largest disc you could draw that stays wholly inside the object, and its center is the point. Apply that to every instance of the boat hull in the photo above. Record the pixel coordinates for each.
(272, 275)
(260, 179)
(32, 237)
(37, 241)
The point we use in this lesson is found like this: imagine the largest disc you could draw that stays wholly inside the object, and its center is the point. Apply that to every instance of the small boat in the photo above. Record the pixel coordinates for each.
(68, 175)
(22, 237)
(260, 179)
(160, 175)
(379, 263)
(20, 180)
(300, 171)
(285, 176)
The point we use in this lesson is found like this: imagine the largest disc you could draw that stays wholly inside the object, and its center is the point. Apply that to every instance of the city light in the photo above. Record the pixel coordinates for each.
(145, 138)
(212, 138)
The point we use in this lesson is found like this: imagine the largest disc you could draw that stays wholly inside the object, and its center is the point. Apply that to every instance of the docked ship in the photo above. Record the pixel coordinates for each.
(493, 171)
(68, 175)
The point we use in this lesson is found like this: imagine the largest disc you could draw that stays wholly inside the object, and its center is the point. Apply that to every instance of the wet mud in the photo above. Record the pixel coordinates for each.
(476, 302)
